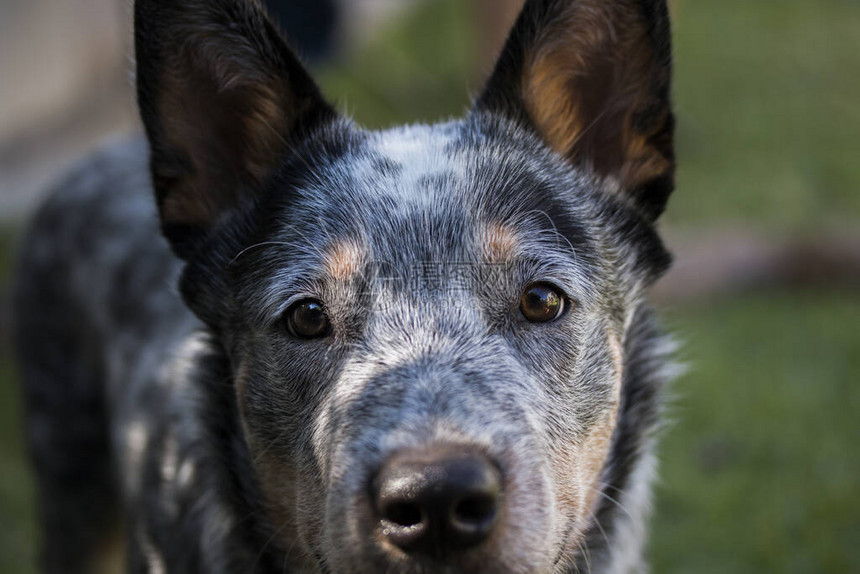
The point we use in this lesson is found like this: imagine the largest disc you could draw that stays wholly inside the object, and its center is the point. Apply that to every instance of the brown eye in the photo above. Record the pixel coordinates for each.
(541, 303)
(307, 319)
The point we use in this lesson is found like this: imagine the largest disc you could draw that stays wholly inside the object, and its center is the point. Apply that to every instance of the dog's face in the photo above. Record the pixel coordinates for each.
(427, 324)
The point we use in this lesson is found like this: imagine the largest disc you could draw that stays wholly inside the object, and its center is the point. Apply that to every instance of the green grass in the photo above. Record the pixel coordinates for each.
(769, 122)
(17, 524)
(761, 466)
(17, 521)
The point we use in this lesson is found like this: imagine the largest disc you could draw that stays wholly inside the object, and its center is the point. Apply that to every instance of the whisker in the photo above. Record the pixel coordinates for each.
(614, 501)
(555, 230)
(277, 531)
(256, 245)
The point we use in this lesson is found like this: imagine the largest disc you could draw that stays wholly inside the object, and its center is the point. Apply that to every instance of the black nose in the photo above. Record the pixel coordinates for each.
(437, 502)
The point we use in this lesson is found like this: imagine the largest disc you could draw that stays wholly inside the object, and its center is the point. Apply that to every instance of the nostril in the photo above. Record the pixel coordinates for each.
(403, 524)
(402, 514)
(474, 512)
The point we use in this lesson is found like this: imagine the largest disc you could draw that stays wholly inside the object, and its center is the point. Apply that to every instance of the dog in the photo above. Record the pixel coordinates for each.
(333, 350)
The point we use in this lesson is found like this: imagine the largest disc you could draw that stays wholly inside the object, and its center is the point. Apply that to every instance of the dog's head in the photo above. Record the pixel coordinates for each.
(426, 325)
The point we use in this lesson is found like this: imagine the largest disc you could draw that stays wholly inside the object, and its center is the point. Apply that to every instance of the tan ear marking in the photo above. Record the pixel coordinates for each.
(253, 115)
(587, 77)
(222, 98)
(644, 163)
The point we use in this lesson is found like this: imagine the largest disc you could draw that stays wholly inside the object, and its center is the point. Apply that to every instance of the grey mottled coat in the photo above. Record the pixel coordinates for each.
(224, 441)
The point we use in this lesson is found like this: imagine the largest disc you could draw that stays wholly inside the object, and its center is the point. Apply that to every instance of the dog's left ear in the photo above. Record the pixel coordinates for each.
(593, 78)
(222, 98)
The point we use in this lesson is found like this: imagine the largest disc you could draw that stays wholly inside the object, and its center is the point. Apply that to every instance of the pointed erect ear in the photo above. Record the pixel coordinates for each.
(593, 78)
(222, 99)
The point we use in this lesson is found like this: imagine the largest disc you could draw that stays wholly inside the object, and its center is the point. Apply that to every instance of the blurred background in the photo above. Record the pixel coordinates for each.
(761, 461)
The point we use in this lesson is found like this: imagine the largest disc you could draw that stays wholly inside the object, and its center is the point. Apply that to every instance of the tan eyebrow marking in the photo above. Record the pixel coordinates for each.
(343, 259)
(499, 242)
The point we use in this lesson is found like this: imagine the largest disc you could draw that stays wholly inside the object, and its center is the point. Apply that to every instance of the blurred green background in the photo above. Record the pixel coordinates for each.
(761, 459)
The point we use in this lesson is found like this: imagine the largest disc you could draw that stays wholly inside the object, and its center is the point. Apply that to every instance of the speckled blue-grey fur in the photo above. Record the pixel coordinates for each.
(168, 401)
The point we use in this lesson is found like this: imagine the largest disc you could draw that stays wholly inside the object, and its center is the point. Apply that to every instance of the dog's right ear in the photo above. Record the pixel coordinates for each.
(222, 98)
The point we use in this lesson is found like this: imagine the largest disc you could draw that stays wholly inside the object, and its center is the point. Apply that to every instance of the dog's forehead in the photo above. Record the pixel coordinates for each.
(410, 172)
(451, 201)
(481, 189)
(419, 151)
